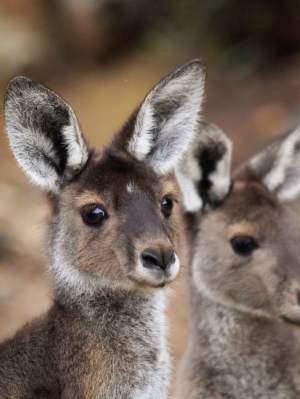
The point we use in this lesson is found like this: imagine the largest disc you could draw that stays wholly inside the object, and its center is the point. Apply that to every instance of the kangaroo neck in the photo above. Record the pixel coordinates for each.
(232, 334)
(107, 306)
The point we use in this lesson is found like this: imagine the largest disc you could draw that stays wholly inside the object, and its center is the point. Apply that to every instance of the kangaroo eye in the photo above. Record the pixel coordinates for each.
(166, 206)
(243, 245)
(93, 214)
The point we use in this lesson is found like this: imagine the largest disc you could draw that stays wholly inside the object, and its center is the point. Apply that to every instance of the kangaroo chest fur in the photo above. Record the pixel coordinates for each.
(112, 346)
(240, 357)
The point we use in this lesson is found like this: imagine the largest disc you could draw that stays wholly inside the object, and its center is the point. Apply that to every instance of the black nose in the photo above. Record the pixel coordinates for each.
(153, 258)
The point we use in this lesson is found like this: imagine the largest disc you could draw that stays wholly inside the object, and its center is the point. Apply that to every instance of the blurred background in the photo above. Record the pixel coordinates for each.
(103, 56)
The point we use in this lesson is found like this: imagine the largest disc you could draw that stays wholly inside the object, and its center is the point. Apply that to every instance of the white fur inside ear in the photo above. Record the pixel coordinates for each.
(188, 174)
(283, 175)
(142, 140)
(29, 154)
(44, 134)
(77, 150)
(221, 178)
(179, 130)
(192, 201)
(167, 120)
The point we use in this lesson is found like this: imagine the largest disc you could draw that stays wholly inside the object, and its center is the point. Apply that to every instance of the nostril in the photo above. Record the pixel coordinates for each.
(152, 258)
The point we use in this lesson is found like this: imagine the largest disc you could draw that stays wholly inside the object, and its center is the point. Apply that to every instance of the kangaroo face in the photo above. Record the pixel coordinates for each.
(120, 223)
(246, 252)
(116, 214)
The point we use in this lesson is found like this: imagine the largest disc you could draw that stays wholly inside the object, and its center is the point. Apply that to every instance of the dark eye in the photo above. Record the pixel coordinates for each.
(243, 245)
(166, 206)
(93, 214)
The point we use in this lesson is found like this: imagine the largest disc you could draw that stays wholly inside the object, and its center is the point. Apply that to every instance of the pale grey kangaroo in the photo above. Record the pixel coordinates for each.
(115, 241)
(244, 279)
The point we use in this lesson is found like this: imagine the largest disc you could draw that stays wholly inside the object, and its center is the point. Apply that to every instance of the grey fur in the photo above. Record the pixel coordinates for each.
(53, 353)
(241, 344)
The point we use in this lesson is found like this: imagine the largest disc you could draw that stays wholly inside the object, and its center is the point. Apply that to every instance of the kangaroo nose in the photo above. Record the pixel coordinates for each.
(153, 258)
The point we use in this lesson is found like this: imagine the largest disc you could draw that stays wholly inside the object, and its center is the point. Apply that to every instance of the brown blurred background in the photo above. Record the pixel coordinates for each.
(102, 56)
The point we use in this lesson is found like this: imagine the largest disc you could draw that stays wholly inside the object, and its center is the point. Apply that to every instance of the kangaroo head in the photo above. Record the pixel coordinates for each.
(247, 250)
(116, 218)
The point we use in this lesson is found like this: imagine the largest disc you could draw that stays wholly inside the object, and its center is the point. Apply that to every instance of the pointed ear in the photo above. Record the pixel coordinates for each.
(166, 122)
(278, 166)
(204, 173)
(44, 134)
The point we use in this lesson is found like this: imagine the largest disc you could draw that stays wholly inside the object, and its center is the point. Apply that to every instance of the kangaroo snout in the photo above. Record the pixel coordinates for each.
(156, 266)
(158, 258)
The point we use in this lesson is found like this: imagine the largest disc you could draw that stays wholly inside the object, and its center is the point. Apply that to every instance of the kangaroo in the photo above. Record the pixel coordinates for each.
(244, 279)
(115, 241)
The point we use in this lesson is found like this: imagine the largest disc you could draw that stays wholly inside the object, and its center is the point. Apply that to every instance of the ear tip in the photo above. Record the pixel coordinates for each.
(214, 131)
(15, 85)
(18, 81)
(196, 65)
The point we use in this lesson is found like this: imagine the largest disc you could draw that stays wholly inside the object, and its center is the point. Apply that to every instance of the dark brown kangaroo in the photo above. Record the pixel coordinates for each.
(114, 243)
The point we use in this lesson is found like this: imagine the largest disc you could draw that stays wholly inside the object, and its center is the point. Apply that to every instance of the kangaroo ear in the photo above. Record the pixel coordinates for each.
(44, 134)
(166, 121)
(278, 165)
(204, 173)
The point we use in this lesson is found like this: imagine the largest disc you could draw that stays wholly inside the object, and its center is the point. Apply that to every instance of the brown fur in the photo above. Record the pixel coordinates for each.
(70, 352)
(115, 240)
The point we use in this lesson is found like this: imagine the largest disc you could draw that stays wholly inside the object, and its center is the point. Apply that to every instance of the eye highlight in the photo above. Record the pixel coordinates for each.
(243, 245)
(166, 206)
(93, 214)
